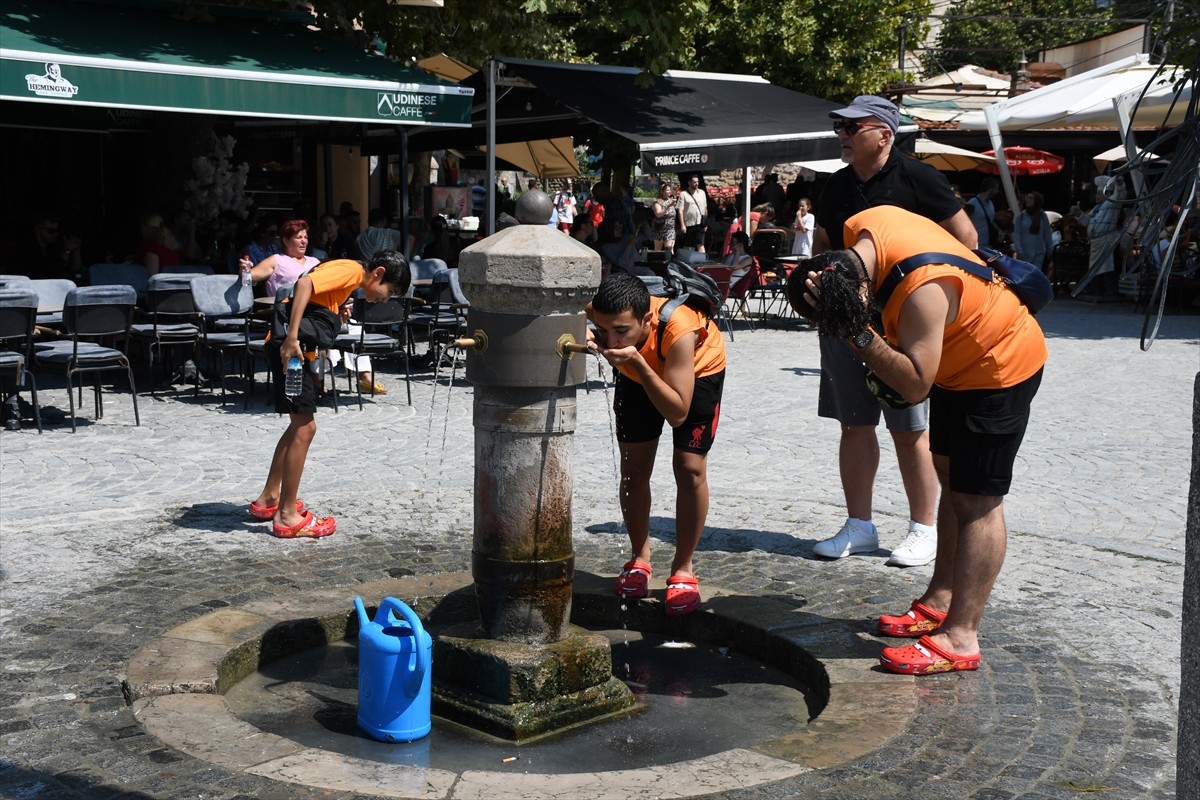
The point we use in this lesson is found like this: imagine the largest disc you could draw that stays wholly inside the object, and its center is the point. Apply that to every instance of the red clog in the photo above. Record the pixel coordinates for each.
(311, 527)
(634, 580)
(917, 621)
(683, 594)
(268, 512)
(925, 658)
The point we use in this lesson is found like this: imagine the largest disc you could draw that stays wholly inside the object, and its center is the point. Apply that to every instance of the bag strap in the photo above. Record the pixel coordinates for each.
(906, 266)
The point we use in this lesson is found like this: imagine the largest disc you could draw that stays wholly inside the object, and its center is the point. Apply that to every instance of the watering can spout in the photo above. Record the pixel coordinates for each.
(363, 619)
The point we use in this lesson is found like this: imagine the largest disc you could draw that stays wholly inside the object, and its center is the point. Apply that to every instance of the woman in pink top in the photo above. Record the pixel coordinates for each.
(284, 269)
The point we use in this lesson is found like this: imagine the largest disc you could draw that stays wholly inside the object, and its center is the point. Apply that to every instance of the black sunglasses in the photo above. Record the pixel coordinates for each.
(852, 127)
(51, 231)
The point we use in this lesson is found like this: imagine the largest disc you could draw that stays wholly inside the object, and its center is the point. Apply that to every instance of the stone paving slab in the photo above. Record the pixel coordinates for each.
(114, 535)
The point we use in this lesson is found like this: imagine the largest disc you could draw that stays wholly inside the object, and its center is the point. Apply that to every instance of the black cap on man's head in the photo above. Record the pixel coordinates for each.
(869, 105)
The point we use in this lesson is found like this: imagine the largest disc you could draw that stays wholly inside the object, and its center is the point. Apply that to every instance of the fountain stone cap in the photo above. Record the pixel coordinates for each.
(534, 207)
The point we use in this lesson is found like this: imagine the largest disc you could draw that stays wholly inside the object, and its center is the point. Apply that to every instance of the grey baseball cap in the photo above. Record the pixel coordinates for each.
(869, 105)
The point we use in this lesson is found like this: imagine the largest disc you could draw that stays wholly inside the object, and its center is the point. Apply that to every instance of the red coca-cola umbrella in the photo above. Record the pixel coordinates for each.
(1026, 161)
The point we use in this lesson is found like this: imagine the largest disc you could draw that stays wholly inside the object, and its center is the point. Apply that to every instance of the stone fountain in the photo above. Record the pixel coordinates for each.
(523, 671)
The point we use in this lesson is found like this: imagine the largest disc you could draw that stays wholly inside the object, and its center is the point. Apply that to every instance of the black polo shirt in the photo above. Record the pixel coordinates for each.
(904, 181)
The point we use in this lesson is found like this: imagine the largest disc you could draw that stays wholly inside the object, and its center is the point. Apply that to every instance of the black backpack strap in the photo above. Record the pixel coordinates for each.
(664, 314)
(902, 268)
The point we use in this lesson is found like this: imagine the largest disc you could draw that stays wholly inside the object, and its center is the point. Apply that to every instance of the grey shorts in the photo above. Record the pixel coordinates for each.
(844, 395)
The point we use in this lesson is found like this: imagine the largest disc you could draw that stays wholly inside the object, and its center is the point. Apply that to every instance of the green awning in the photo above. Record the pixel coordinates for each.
(93, 55)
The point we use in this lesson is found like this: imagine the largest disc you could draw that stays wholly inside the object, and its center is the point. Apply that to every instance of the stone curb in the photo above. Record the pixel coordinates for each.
(175, 684)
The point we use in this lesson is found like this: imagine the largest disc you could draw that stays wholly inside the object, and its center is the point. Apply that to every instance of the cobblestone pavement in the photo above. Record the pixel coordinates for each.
(112, 536)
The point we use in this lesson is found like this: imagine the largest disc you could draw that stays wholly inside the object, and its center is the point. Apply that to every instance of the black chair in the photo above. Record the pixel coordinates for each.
(135, 275)
(225, 306)
(18, 310)
(172, 318)
(91, 316)
(442, 318)
(375, 338)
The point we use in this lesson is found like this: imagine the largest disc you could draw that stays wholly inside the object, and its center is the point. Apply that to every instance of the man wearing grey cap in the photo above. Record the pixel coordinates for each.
(876, 174)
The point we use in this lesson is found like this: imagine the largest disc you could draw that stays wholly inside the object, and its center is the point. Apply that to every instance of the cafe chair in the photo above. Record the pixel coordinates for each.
(93, 315)
(722, 275)
(18, 310)
(375, 338)
(224, 305)
(7, 280)
(135, 275)
(172, 319)
(51, 292)
(443, 317)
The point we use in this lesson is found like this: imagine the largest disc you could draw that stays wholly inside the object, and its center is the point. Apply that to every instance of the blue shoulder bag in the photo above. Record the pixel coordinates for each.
(1026, 280)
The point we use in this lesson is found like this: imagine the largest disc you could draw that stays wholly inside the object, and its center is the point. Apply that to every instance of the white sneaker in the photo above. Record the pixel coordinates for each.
(918, 548)
(855, 536)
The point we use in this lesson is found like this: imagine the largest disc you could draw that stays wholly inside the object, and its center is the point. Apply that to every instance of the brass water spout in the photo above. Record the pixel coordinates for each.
(478, 342)
(566, 346)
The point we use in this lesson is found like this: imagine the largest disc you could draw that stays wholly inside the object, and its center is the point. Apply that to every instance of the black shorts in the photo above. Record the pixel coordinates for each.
(693, 236)
(306, 403)
(980, 431)
(639, 421)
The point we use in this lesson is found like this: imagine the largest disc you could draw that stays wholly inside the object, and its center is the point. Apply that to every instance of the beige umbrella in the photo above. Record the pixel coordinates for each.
(948, 158)
(546, 158)
(1117, 154)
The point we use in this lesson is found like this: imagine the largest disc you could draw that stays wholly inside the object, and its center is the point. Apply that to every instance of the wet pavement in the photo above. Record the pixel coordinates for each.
(114, 535)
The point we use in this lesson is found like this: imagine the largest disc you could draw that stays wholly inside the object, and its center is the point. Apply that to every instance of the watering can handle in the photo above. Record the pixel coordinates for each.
(390, 607)
(363, 619)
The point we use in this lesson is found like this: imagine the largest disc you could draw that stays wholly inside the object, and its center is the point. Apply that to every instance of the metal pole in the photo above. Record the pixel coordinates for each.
(492, 68)
(903, 37)
(404, 191)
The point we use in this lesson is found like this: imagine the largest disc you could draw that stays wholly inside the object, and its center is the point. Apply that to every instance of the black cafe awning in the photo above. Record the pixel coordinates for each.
(680, 122)
(687, 121)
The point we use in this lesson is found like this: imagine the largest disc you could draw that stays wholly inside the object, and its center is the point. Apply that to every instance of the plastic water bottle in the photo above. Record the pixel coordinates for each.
(293, 381)
(245, 271)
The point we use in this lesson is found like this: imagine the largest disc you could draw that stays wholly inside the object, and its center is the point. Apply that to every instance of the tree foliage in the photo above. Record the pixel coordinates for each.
(997, 35)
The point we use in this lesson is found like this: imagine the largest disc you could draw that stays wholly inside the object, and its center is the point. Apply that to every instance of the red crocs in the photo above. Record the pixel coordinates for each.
(683, 594)
(917, 621)
(311, 527)
(925, 658)
(634, 580)
(268, 512)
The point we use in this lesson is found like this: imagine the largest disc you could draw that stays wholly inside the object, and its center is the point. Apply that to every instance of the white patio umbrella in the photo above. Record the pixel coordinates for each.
(947, 157)
(1117, 154)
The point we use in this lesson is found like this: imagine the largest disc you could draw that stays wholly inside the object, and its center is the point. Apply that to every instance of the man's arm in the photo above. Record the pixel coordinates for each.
(960, 227)
(672, 393)
(911, 366)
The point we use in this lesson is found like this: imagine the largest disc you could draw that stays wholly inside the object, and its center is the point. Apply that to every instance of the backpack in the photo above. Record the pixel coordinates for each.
(683, 285)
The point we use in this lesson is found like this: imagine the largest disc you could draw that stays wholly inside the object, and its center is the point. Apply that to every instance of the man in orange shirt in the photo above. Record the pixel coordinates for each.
(326, 286)
(975, 350)
(676, 377)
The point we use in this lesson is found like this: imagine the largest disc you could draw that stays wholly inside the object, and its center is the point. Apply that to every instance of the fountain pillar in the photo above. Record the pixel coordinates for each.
(523, 670)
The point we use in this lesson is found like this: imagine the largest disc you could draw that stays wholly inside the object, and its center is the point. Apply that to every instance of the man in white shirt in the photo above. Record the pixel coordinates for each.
(695, 208)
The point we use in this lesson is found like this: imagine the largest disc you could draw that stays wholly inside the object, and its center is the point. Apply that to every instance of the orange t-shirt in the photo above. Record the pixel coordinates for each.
(710, 345)
(994, 342)
(333, 282)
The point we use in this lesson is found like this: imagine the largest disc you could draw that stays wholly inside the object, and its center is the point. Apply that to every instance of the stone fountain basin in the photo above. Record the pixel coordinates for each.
(177, 682)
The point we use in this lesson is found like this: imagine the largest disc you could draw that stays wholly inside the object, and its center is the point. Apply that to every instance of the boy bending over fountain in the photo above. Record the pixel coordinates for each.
(327, 286)
(677, 377)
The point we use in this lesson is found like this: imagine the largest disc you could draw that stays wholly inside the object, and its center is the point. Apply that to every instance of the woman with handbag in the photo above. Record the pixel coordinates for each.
(313, 322)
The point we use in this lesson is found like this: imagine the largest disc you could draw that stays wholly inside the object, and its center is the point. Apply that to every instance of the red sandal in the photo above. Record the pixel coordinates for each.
(917, 621)
(683, 594)
(311, 527)
(925, 658)
(268, 512)
(634, 580)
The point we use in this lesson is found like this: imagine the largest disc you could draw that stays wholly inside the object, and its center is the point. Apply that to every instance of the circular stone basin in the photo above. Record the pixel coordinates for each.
(694, 700)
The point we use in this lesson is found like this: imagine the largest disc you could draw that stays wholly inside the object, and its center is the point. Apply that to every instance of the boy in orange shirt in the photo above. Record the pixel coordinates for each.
(327, 286)
(680, 384)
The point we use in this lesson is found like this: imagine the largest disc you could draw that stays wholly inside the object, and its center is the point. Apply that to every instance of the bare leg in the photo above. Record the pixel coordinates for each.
(637, 465)
(691, 507)
(980, 554)
(916, 470)
(287, 466)
(858, 461)
(941, 584)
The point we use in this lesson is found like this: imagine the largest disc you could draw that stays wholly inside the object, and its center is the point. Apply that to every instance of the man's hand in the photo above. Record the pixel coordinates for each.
(290, 347)
(621, 356)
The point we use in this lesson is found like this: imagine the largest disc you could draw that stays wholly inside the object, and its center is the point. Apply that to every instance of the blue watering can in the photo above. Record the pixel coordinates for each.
(395, 672)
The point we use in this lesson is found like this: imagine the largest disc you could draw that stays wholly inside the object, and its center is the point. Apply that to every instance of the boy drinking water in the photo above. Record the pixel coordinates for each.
(681, 384)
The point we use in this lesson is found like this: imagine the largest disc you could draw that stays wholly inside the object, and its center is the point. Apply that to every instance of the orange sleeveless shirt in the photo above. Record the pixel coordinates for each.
(993, 343)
